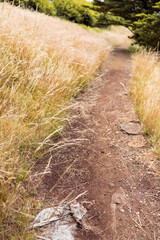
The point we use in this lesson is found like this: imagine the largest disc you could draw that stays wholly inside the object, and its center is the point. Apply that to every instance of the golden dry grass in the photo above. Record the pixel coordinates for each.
(44, 63)
(117, 36)
(145, 89)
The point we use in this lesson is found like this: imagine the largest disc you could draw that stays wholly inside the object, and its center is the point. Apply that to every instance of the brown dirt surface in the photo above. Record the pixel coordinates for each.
(119, 171)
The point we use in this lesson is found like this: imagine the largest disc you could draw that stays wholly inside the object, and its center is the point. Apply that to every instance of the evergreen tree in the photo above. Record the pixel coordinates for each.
(127, 9)
(142, 17)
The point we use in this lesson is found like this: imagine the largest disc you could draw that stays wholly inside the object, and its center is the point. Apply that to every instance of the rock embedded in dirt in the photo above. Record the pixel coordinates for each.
(78, 211)
(60, 223)
(47, 216)
(131, 128)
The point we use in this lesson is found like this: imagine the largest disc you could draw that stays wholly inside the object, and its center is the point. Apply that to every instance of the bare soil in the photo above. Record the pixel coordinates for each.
(119, 171)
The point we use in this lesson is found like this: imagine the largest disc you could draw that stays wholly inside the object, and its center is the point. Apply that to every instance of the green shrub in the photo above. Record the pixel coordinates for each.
(74, 11)
(141, 17)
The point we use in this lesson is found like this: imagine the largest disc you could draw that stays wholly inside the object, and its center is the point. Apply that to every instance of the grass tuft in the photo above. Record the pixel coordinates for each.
(145, 89)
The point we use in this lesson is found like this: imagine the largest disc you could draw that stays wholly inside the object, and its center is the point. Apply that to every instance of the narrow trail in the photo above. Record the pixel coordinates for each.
(119, 171)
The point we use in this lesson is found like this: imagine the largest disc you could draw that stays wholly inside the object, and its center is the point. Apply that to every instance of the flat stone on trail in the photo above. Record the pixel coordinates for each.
(78, 211)
(61, 222)
(132, 128)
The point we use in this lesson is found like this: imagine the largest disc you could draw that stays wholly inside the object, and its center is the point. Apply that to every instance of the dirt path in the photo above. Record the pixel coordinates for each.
(119, 172)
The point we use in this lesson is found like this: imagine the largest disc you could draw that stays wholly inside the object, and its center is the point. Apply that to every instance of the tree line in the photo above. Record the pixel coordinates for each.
(142, 17)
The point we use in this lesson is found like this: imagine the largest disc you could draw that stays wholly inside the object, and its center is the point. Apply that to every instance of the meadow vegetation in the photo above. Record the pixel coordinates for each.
(77, 11)
(45, 62)
(145, 90)
(43, 6)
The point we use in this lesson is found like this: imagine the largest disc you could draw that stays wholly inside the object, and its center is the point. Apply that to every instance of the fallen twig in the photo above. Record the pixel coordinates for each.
(80, 195)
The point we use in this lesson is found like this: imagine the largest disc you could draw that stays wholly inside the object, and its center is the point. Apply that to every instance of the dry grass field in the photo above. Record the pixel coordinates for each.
(44, 63)
(145, 89)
